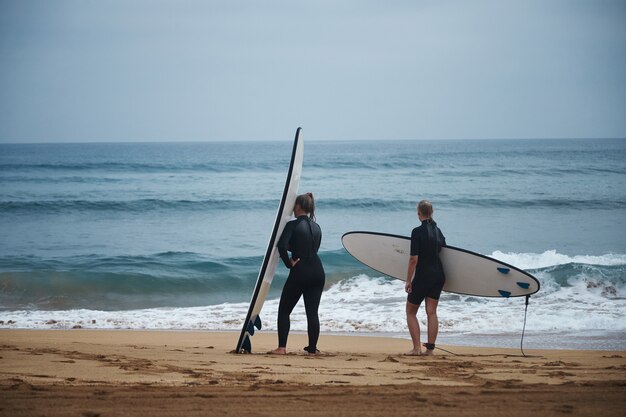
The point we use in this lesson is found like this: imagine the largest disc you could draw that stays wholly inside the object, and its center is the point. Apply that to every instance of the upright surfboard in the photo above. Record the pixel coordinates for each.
(270, 260)
(466, 272)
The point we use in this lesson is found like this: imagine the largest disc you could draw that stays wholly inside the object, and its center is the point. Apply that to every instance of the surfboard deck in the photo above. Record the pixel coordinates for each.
(466, 272)
(271, 258)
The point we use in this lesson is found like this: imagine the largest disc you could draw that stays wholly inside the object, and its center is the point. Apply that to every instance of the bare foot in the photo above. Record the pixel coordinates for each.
(414, 352)
(429, 352)
(278, 351)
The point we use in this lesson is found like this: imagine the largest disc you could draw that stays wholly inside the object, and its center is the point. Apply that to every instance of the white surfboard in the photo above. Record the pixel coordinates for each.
(466, 272)
(270, 260)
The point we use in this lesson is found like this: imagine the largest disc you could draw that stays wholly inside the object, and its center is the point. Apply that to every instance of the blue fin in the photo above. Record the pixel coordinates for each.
(257, 322)
(246, 346)
(503, 270)
(250, 328)
(505, 293)
(524, 285)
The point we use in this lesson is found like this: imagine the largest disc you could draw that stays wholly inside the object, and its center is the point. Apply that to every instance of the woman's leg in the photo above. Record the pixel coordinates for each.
(414, 327)
(288, 300)
(433, 320)
(312, 297)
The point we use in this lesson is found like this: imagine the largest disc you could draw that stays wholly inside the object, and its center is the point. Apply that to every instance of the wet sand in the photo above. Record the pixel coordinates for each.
(92, 373)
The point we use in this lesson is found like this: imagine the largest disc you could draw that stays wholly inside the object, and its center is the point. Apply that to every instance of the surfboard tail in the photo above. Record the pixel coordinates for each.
(246, 346)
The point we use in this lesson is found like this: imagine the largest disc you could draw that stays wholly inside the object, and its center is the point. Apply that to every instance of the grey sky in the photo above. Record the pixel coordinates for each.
(84, 70)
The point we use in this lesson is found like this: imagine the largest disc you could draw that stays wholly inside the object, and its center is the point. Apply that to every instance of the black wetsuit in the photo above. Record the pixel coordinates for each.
(302, 237)
(426, 242)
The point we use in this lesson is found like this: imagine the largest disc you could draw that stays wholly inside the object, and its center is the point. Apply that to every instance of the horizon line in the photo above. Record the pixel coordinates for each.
(152, 141)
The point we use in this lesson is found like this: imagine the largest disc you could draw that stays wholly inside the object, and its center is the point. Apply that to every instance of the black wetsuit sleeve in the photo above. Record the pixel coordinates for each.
(319, 242)
(283, 244)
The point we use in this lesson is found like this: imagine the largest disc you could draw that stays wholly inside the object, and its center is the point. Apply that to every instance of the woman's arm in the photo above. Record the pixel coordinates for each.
(283, 245)
(410, 273)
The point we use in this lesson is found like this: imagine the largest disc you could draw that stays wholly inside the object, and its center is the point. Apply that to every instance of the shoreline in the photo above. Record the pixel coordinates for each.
(130, 372)
(583, 340)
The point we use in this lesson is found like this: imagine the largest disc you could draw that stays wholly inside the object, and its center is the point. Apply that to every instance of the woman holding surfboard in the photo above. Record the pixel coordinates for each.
(425, 277)
(301, 237)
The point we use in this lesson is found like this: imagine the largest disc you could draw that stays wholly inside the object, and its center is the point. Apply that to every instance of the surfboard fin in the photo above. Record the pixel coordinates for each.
(503, 270)
(257, 322)
(503, 293)
(524, 285)
(246, 346)
(250, 328)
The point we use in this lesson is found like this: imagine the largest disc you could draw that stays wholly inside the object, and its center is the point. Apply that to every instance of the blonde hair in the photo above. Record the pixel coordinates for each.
(425, 208)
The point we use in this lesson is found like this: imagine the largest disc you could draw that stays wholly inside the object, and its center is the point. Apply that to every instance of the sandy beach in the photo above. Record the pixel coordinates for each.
(152, 373)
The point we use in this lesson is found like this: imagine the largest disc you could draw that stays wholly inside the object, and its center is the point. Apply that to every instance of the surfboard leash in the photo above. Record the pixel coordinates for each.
(521, 341)
(447, 351)
(521, 345)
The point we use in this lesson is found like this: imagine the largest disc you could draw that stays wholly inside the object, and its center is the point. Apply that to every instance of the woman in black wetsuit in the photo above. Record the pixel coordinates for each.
(425, 277)
(301, 237)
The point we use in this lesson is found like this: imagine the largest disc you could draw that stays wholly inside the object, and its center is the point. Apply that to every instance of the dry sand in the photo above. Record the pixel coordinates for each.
(91, 373)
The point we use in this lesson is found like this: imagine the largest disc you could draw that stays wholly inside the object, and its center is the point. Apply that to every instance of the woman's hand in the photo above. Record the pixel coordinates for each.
(294, 262)
(407, 286)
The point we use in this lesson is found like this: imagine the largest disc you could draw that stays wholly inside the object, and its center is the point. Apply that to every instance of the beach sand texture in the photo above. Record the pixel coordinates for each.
(92, 373)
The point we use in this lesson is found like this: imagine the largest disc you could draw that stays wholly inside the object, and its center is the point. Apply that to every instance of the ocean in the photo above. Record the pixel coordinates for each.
(171, 236)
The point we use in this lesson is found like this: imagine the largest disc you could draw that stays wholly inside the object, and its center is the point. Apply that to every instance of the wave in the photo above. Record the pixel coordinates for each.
(471, 202)
(171, 279)
(53, 170)
(149, 204)
(154, 204)
(553, 203)
(130, 206)
(147, 167)
(123, 282)
(553, 258)
(59, 179)
(186, 291)
(133, 158)
(366, 304)
(180, 279)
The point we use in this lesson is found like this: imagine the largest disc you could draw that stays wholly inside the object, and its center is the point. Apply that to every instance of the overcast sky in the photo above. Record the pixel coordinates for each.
(152, 70)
